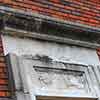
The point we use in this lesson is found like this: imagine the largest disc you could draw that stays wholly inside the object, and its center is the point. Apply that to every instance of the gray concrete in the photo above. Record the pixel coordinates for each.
(67, 71)
(59, 52)
(52, 79)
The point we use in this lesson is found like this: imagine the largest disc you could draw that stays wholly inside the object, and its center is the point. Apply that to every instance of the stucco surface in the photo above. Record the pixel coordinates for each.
(59, 52)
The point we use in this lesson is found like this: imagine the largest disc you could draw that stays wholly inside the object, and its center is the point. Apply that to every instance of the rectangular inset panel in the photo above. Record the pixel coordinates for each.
(50, 78)
(53, 77)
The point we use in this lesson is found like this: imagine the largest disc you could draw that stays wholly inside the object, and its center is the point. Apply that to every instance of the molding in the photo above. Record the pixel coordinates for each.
(8, 10)
(63, 98)
(88, 76)
(30, 25)
(34, 35)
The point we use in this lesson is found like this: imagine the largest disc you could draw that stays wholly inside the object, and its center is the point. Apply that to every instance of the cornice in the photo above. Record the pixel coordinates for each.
(23, 24)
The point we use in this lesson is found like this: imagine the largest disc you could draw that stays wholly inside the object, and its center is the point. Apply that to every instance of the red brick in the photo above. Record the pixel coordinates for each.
(3, 76)
(2, 64)
(83, 7)
(3, 82)
(4, 88)
(4, 94)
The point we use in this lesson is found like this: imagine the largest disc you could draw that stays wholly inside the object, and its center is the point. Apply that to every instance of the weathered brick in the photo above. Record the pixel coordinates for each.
(3, 70)
(2, 64)
(3, 76)
(3, 82)
(4, 94)
(87, 9)
(2, 59)
(4, 88)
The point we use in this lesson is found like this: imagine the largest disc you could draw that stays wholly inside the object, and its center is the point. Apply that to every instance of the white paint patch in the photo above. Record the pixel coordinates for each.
(56, 51)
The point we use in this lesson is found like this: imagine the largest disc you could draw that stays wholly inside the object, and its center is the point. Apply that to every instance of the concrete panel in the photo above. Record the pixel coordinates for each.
(59, 52)
(44, 80)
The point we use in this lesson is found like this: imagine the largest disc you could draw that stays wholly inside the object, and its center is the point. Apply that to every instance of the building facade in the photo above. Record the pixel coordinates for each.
(49, 49)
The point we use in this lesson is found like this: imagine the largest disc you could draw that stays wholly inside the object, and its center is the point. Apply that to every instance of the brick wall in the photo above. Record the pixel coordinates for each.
(98, 53)
(80, 11)
(4, 84)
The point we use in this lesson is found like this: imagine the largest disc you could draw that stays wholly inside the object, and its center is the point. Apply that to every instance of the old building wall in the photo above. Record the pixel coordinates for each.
(69, 10)
(4, 84)
(59, 52)
(74, 13)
